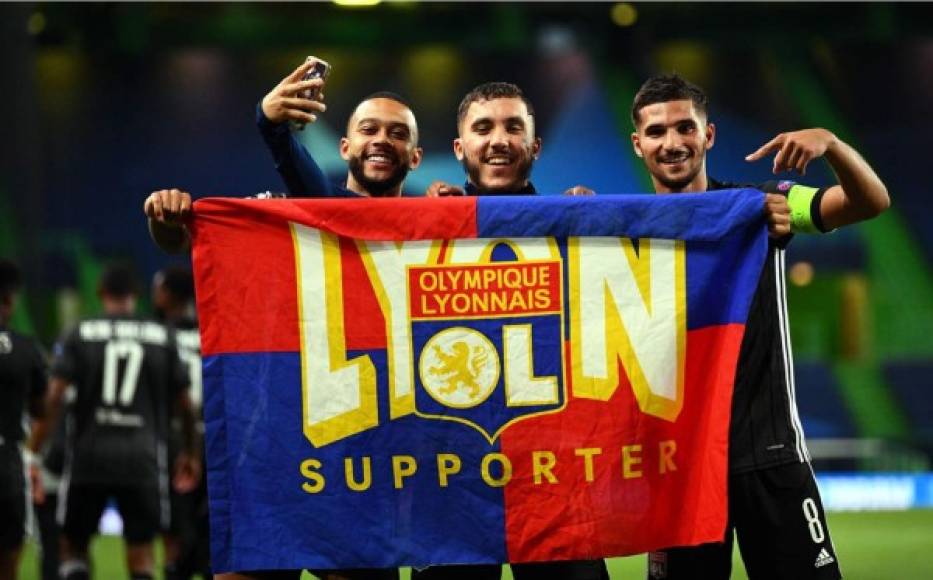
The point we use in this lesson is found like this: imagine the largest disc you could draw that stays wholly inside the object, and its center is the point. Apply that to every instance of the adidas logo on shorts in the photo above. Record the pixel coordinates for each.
(823, 559)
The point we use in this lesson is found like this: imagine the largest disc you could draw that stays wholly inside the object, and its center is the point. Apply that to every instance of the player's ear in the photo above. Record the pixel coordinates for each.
(416, 155)
(636, 145)
(710, 135)
(458, 148)
(536, 148)
(345, 148)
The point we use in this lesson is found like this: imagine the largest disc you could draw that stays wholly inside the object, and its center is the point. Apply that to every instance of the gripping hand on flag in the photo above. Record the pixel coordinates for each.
(578, 190)
(778, 213)
(288, 101)
(167, 210)
(169, 206)
(443, 189)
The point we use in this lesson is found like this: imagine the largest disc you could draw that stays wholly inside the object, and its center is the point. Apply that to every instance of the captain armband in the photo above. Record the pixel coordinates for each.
(804, 204)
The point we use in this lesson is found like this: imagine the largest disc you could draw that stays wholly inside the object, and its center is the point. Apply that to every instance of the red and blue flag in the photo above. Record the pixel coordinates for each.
(405, 382)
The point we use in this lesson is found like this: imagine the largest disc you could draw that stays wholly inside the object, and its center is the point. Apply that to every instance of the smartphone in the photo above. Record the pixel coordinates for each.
(320, 70)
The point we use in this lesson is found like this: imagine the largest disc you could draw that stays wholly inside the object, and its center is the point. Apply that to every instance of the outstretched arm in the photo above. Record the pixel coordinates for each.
(860, 193)
(167, 209)
(284, 103)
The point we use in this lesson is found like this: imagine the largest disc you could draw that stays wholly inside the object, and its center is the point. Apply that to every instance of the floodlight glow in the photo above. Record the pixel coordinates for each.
(801, 273)
(356, 3)
(624, 14)
(36, 23)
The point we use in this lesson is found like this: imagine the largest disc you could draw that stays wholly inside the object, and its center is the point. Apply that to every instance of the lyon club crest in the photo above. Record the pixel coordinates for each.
(488, 341)
(459, 367)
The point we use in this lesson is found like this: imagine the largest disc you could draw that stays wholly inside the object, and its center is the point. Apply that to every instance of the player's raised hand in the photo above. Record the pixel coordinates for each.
(796, 149)
(168, 206)
(778, 214)
(443, 189)
(285, 103)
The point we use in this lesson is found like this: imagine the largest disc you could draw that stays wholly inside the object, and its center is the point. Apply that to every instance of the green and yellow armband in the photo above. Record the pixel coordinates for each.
(804, 218)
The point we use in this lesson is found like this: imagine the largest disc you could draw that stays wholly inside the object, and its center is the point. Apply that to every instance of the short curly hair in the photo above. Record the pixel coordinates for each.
(119, 280)
(668, 87)
(178, 281)
(490, 91)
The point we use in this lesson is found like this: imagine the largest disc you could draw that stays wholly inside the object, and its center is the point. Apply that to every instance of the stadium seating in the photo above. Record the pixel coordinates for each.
(822, 410)
(912, 385)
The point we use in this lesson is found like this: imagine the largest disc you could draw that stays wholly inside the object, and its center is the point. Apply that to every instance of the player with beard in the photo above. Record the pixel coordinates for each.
(22, 387)
(774, 505)
(380, 146)
(497, 146)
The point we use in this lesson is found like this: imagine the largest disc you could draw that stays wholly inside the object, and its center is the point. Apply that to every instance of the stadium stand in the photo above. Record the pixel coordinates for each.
(912, 385)
(822, 409)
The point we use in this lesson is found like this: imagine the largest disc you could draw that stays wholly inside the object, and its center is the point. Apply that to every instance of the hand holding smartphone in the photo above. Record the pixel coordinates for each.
(320, 70)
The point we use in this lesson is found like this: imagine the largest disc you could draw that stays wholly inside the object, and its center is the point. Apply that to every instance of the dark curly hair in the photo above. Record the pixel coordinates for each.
(489, 91)
(669, 87)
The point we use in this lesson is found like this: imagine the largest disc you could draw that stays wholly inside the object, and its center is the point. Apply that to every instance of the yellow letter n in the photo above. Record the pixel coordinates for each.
(631, 306)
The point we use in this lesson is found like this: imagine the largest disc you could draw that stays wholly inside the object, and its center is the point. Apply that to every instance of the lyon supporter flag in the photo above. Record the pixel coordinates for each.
(396, 382)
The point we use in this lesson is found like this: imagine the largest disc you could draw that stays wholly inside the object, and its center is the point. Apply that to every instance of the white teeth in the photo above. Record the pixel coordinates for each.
(498, 161)
(378, 158)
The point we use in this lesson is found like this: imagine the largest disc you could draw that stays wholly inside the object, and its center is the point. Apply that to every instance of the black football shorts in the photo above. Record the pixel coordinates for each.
(139, 507)
(778, 518)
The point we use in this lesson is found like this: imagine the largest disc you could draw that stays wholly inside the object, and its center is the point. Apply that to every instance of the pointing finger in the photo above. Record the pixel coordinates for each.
(765, 149)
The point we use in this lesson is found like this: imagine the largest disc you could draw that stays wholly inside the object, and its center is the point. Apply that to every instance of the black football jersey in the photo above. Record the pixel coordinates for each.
(188, 338)
(127, 374)
(765, 429)
(23, 382)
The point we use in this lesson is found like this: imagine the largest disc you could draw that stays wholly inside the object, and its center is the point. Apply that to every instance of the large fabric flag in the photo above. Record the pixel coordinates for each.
(463, 380)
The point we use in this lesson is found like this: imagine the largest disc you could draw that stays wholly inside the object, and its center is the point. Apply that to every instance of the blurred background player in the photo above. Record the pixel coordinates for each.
(380, 145)
(22, 388)
(774, 504)
(45, 502)
(186, 540)
(128, 380)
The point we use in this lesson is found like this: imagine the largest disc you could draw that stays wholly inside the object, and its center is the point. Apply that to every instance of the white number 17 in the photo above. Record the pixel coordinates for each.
(115, 351)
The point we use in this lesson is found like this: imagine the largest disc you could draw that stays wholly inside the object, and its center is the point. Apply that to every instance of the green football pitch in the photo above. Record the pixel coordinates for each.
(870, 545)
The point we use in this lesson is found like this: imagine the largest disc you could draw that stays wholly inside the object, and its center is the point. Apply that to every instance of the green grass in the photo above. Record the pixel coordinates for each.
(870, 546)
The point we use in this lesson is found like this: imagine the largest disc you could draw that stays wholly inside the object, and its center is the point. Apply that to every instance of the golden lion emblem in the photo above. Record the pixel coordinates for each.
(460, 368)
